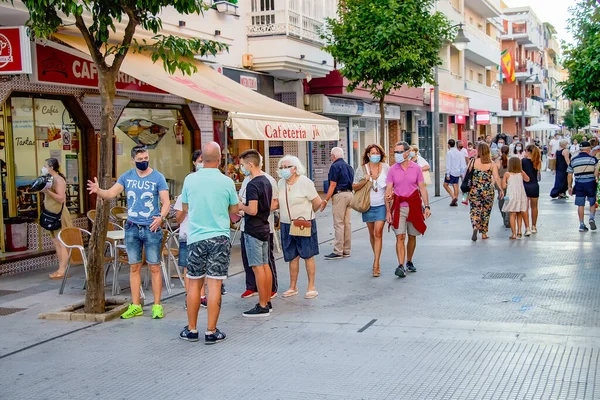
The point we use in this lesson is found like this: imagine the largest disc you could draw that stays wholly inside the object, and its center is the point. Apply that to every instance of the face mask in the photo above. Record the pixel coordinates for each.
(399, 158)
(244, 171)
(199, 166)
(519, 148)
(142, 165)
(411, 155)
(375, 158)
(45, 171)
(285, 173)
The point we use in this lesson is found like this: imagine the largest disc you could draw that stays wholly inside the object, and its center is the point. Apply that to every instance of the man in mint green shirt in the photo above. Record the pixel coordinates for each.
(208, 197)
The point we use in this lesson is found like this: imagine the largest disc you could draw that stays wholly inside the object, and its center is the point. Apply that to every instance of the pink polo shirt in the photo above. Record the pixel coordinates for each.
(405, 181)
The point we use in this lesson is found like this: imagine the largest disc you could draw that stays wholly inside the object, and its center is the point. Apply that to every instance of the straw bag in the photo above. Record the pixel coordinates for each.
(299, 226)
(427, 178)
(361, 201)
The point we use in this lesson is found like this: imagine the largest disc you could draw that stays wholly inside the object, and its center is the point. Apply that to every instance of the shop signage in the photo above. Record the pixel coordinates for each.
(460, 120)
(451, 104)
(56, 66)
(260, 129)
(483, 118)
(338, 106)
(249, 82)
(15, 51)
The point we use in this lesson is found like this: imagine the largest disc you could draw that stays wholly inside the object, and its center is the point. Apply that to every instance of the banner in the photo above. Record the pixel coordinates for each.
(508, 66)
(15, 51)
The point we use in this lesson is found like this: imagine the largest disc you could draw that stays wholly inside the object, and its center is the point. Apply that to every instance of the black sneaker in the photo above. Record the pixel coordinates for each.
(223, 290)
(188, 335)
(400, 273)
(592, 224)
(334, 256)
(257, 311)
(410, 266)
(203, 302)
(216, 337)
(270, 307)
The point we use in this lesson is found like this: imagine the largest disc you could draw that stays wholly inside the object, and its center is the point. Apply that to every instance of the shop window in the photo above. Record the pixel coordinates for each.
(3, 165)
(42, 129)
(165, 133)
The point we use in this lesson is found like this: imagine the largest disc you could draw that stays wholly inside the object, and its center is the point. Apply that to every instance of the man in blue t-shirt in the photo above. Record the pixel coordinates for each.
(144, 188)
(583, 169)
(208, 197)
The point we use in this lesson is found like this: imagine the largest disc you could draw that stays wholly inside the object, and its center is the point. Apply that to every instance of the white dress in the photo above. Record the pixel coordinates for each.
(515, 191)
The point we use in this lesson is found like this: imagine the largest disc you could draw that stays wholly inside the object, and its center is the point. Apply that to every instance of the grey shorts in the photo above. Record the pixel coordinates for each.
(257, 251)
(404, 226)
(209, 258)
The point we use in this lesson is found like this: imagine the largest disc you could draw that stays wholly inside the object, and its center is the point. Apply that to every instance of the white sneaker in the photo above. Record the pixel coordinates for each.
(528, 232)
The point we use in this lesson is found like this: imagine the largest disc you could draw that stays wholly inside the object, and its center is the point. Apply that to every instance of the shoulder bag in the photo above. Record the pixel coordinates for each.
(467, 182)
(361, 201)
(51, 221)
(299, 226)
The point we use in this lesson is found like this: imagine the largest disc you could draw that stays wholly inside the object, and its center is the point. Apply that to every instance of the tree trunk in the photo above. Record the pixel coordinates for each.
(94, 297)
(382, 123)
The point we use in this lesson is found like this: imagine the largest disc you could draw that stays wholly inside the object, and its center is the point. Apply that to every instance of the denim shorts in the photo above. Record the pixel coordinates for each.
(374, 214)
(257, 251)
(209, 258)
(451, 180)
(299, 246)
(585, 191)
(182, 261)
(138, 237)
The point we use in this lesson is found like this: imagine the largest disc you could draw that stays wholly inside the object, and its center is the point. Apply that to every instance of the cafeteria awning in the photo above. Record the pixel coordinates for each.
(252, 115)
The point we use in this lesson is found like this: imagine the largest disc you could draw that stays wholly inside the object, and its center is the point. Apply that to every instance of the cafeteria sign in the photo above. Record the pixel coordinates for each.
(15, 51)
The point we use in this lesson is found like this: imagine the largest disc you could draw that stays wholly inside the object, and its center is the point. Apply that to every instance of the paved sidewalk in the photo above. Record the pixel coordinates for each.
(493, 319)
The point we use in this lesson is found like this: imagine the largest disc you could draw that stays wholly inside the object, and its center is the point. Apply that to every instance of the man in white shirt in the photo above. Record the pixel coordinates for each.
(456, 164)
(251, 288)
(463, 150)
(553, 148)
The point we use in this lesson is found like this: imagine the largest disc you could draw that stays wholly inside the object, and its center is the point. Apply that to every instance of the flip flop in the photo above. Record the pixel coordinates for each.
(512, 237)
(289, 293)
(311, 294)
(56, 276)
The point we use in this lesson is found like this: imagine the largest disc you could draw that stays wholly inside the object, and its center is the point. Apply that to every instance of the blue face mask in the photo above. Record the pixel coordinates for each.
(411, 155)
(285, 173)
(399, 158)
(244, 171)
(375, 158)
(142, 165)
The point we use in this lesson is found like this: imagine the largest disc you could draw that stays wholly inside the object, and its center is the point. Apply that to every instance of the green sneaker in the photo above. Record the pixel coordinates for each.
(133, 311)
(157, 311)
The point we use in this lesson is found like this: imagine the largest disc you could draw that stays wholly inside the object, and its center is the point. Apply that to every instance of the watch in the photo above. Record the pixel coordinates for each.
(427, 207)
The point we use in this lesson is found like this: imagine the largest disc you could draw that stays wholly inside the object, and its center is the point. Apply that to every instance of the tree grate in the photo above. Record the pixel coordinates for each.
(7, 292)
(4, 311)
(504, 275)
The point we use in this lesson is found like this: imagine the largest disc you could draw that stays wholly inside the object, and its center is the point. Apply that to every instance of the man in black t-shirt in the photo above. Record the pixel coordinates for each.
(259, 196)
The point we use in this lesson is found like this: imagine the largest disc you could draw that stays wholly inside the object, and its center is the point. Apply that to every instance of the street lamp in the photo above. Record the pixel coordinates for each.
(460, 42)
(536, 81)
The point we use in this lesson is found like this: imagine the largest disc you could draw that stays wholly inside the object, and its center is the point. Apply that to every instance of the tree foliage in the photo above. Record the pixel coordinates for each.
(582, 59)
(100, 24)
(385, 44)
(577, 116)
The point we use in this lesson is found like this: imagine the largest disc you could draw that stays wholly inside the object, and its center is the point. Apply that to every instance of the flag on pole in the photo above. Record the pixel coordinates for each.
(508, 66)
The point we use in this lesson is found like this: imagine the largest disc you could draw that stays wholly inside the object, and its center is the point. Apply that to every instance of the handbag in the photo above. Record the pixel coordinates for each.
(51, 221)
(467, 182)
(299, 226)
(361, 200)
(427, 178)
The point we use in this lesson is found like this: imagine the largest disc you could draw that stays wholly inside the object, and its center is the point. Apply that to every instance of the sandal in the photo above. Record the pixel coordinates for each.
(56, 275)
(289, 293)
(519, 235)
(376, 272)
(513, 237)
(311, 294)
(484, 237)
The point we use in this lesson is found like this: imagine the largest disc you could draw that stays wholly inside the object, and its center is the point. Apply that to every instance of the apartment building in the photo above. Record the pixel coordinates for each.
(523, 38)
(469, 90)
(553, 104)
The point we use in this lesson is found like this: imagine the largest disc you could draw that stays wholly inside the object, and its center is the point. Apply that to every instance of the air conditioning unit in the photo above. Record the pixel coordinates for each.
(247, 60)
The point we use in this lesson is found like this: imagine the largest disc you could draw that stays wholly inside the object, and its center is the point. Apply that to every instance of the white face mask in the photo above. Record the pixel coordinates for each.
(199, 166)
(45, 171)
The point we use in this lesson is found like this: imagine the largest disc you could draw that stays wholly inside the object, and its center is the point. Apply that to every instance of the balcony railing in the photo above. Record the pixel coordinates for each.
(303, 19)
(478, 87)
(483, 36)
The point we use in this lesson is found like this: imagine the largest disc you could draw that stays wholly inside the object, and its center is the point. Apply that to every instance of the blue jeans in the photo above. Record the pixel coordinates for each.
(257, 251)
(138, 237)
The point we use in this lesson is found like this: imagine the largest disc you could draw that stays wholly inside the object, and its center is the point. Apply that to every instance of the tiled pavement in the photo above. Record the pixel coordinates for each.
(487, 320)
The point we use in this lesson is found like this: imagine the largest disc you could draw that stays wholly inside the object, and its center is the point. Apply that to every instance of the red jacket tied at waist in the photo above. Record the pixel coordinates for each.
(415, 212)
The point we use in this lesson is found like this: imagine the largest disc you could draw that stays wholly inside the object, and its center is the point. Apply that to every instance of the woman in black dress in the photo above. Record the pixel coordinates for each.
(532, 164)
(560, 180)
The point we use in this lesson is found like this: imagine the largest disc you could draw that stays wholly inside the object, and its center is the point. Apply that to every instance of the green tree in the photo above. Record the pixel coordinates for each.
(383, 45)
(577, 116)
(95, 20)
(582, 59)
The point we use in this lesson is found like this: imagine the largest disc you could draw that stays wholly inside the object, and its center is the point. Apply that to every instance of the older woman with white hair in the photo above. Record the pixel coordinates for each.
(563, 159)
(298, 200)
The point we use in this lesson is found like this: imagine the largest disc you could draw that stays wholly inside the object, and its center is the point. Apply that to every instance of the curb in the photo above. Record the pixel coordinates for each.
(74, 312)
